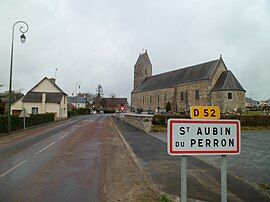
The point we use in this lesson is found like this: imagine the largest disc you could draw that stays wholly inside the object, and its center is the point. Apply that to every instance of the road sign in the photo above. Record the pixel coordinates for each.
(203, 137)
(205, 112)
(24, 113)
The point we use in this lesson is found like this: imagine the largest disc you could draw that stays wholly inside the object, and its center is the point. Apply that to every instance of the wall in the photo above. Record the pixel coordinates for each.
(220, 98)
(140, 121)
(46, 86)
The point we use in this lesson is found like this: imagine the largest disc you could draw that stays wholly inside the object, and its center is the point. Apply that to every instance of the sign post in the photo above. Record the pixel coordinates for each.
(183, 178)
(203, 137)
(24, 114)
(223, 178)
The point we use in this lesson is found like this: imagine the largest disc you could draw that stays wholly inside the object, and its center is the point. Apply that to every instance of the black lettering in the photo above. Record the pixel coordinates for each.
(207, 143)
(223, 142)
(196, 112)
(215, 142)
(193, 141)
(182, 130)
(207, 130)
(231, 142)
(199, 131)
(200, 143)
(227, 131)
(176, 144)
(205, 111)
(215, 131)
(213, 113)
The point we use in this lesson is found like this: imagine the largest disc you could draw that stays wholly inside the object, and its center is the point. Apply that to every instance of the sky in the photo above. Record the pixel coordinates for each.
(98, 42)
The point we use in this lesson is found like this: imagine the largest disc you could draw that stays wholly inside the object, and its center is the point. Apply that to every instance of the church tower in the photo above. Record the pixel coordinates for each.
(142, 69)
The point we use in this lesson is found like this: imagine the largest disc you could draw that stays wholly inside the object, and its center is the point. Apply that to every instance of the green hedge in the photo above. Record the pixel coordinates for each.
(17, 122)
(256, 120)
(79, 111)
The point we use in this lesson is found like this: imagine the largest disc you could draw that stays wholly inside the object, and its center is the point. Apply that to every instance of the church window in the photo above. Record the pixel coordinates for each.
(165, 97)
(229, 96)
(197, 94)
(158, 98)
(150, 99)
(145, 71)
(143, 99)
(182, 95)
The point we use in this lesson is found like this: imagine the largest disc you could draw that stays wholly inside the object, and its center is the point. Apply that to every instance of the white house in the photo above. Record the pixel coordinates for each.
(78, 102)
(45, 97)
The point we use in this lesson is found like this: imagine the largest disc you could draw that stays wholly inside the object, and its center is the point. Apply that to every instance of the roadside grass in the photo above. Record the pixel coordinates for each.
(164, 199)
(158, 128)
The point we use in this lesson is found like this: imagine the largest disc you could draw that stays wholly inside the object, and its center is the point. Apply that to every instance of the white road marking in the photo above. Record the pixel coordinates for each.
(45, 147)
(12, 169)
(63, 136)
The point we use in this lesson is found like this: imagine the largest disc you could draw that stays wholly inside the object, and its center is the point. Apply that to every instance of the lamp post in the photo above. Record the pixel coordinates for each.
(23, 29)
(78, 84)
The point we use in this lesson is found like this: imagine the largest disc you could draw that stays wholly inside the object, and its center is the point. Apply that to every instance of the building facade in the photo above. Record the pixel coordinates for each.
(209, 83)
(45, 97)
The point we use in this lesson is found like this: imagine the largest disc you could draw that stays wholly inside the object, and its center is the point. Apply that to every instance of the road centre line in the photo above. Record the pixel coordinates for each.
(63, 136)
(8, 171)
(45, 147)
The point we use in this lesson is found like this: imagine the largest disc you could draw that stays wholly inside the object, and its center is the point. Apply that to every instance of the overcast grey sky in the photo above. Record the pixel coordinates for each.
(99, 41)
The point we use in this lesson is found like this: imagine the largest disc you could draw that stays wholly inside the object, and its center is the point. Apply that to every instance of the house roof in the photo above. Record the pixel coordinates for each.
(184, 75)
(143, 59)
(227, 81)
(76, 100)
(45, 78)
(37, 97)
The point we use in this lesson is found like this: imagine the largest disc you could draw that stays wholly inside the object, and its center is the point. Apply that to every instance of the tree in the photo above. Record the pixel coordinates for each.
(99, 91)
(2, 107)
(168, 107)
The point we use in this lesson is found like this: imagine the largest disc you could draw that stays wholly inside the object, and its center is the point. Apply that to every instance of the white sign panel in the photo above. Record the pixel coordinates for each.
(203, 137)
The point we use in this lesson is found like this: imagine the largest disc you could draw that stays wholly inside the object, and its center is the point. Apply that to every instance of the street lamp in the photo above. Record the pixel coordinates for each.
(23, 29)
(78, 84)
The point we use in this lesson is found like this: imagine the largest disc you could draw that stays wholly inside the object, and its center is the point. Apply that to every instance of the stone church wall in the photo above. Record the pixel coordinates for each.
(220, 98)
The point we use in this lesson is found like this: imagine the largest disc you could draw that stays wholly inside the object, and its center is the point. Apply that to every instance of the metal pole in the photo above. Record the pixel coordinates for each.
(183, 178)
(11, 67)
(223, 178)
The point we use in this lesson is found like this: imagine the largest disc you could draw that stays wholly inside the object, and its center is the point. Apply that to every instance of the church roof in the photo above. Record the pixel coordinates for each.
(227, 81)
(143, 59)
(184, 75)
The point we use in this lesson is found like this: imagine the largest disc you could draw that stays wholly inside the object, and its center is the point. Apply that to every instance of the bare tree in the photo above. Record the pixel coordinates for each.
(99, 91)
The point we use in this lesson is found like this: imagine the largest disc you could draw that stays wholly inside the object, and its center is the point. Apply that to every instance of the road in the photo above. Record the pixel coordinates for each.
(62, 163)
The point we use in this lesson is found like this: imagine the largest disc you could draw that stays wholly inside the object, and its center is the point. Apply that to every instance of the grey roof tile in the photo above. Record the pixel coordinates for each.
(37, 97)
(184, 75)
(227, 81)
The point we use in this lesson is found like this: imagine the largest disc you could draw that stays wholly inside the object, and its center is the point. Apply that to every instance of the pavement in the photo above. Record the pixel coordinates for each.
(203, 179)
(62, 163)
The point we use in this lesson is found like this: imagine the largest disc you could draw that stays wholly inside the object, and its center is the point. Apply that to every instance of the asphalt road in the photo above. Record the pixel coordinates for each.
(62, 163)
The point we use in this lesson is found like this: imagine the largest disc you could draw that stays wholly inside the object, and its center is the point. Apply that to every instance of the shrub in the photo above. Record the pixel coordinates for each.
(79, 111)
(17, 122)
(256, 120)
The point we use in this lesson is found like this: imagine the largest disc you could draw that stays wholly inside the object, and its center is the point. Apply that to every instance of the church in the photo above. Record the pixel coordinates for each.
(205, 84)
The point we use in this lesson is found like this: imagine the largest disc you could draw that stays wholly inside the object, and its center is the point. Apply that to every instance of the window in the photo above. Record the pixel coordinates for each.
(145, 71)
(150, 99)
(229, 96)
(165, 97)
(64, 100)
(197, 94)
(158, 98)
(34, 110)
(143, 100)
(182, 95)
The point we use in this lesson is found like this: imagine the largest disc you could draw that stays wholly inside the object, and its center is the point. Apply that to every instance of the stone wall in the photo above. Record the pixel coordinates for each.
(140, 121)
(220, 98)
